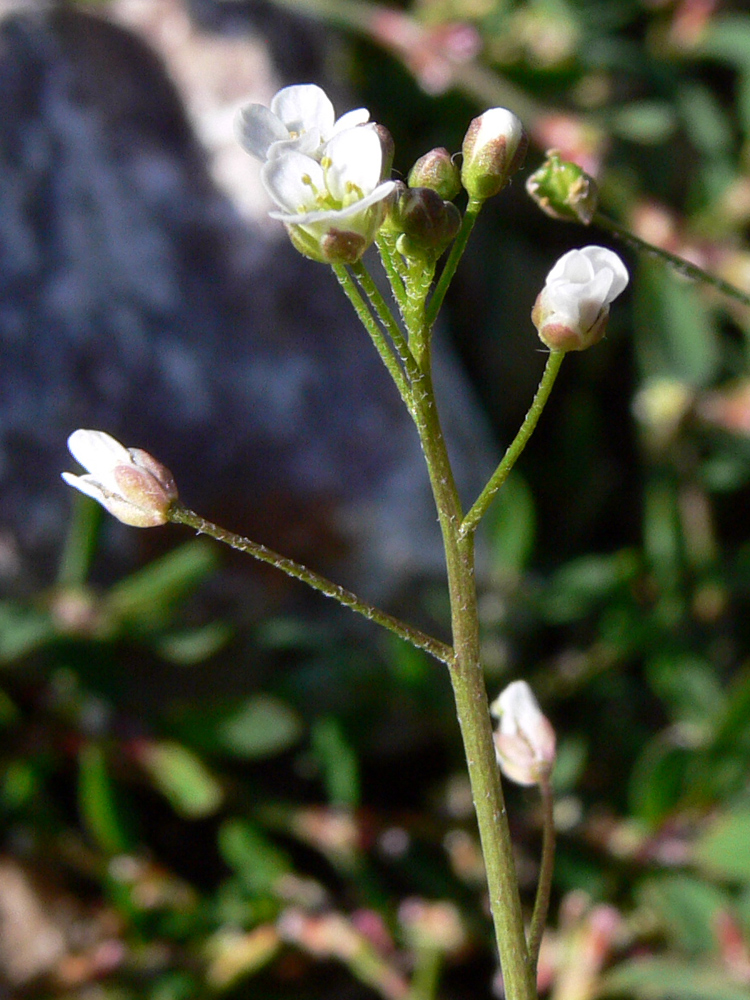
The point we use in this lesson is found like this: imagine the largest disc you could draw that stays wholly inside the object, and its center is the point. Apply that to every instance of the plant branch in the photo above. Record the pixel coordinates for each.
(181, 515)
(370, 324)
(684, 267)
(449, 269)
(520, 441)
(544, 885)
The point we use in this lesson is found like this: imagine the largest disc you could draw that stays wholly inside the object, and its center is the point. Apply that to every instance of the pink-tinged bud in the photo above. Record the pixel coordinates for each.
(572, 309)
(436, 170)
(564, 190)
(525, 739)
(131, 484)
(493, 149)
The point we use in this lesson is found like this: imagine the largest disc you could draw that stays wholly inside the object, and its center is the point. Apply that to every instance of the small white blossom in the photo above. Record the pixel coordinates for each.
(525, 739)
(300, 118)
(333, 208)
(128, 482)
(571, 310)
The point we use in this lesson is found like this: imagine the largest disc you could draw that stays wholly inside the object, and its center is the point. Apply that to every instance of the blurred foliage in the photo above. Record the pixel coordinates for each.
(172, 840)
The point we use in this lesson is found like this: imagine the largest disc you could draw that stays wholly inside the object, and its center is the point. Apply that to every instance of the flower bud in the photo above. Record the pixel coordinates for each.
(563, 189)
(131, 484)
(427, 223)
(494, 147)
(524, 739)
(436, 170)
(572, 309)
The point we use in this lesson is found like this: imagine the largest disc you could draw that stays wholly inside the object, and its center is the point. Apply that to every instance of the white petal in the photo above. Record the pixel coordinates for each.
(356, 159)
(86, 484)
(602, 258)
(351, 119)
(98, 452)
(574, 266)
(258, 128)
(309, 143)
(293, 181)
(341, 215)
(302, 107)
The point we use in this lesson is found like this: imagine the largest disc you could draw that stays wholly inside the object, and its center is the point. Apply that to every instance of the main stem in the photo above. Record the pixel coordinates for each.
(469, 691)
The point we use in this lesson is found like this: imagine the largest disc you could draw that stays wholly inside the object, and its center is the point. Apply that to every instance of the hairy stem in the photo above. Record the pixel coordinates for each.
(679, 264)
(181, 515)
(520, 441)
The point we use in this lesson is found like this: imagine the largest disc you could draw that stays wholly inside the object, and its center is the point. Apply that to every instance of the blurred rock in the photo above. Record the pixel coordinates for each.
(134, 298)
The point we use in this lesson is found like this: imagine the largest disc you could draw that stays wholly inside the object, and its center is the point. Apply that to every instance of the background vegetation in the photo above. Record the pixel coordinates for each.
(311, 835)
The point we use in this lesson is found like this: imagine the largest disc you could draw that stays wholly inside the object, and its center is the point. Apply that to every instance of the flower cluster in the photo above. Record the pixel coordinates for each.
(326, 175)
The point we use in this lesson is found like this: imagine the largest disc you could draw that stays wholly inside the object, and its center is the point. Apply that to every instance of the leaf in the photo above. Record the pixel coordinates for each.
(249, 852)
(687, 907)
(262, 727)
(338, 763)
(98, 803)
(182, 777)
(723, 850)
(512, 526)
(22, 630)
(145, 600)
(668, 979)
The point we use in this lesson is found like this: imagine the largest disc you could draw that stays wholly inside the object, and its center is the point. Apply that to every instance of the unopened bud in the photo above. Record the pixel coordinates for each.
(436, 170)
(493, 149)
(564, 190)
(131, 484)
(524, 739)
(572, 309)
(427, 223)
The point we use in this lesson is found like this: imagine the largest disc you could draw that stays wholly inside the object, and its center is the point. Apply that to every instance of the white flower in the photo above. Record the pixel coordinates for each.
(130, 483)
(571, 310)
(525, 739)
(494, 147)
(333, 208)
(300, 118)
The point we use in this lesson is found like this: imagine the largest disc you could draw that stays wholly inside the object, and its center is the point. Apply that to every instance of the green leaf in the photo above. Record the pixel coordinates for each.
(22, 630)
(644, 122)
(511, 524)
(657, 782)
(723, 850)
(183, 778)
(676, 334)
(98, 803)
(249, 852)
(687, 907)
(145, 600)
(338, 763)
(689, 686)
(668, 979)
(194, 646)
(584, 583)
(262, 727)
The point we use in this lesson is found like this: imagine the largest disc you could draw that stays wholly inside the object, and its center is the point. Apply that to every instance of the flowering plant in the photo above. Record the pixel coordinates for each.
(329, 180)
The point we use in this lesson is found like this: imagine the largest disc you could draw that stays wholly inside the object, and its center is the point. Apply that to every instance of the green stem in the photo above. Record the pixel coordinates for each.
(679, 264)
(371, 325)
(457, 251)
(470, 695)
(181, 515)
(520, 441)
(391, 259)
(424, 983)
(386, 317)
(544, 884)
